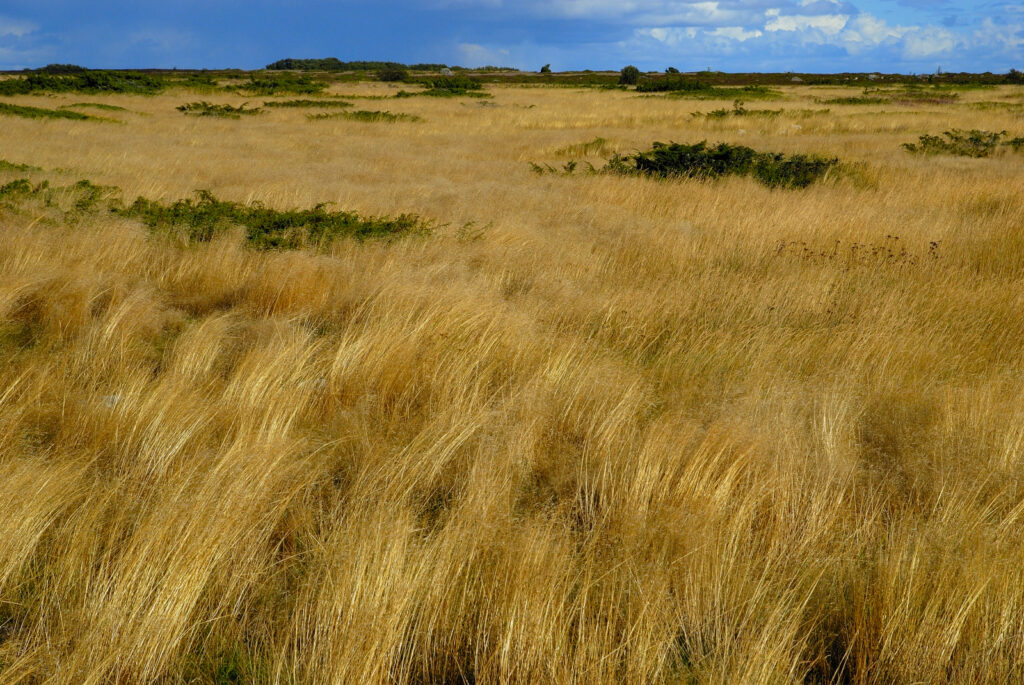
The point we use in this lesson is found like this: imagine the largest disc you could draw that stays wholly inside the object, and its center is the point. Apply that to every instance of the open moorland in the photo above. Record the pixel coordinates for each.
(440, 383)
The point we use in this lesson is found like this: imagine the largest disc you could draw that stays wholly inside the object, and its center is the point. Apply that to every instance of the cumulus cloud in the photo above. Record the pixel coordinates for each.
(476, 55)
(828, 24)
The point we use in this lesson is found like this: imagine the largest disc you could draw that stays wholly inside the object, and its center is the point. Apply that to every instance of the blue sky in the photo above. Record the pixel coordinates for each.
(912, 36)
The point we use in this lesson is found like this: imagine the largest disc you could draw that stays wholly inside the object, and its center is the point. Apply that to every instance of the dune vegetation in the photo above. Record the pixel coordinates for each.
(382, 405)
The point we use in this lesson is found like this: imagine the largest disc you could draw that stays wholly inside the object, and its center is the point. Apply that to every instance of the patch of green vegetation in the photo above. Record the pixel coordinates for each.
(307, 103)
(206, 109)
(95, 105)
(84, 195)
(853, 100)
(448, 86)
(83, 82)
(973, 143)
(13, 167)
(675, 160)
(280, 83)
(334, 64)
(40, 113)
(1016, 143)
(365, 115)
(738, 110)
(672, 84)
(16, 188)
(202, 219)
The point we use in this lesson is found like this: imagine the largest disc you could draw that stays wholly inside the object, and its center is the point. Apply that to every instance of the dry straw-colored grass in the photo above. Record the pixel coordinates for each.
(620, 431)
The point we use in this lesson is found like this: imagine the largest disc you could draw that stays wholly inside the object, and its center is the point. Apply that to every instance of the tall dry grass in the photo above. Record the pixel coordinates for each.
(620, 431)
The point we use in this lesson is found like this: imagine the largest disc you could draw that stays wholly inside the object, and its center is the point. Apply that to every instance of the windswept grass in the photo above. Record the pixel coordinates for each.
(621, 431)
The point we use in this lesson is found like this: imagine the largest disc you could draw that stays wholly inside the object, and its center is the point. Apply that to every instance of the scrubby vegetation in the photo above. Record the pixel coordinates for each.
(95, 105)
(83, 82)
(365, 115)
(280, 84)
(334, 64)
(206, 109)
(9, 109)
(15, 167)
(973, 143)
(204, 218)
(447, 86)
(738, 110)
(307, 103)
(676, 160)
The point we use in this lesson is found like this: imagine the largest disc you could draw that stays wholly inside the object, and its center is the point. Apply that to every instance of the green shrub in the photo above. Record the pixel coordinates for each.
(202, 219)
(206, 109)
(40, 113)
(665, 84)
(307, 103)
(279, 83)
(738, 110)
(700, 161)
(447, 86)
(83, 82)
(392, 74)
(95, 105)
(546, 69)
(629, 76)
(11, 166)
(365, 115)
(973, 143)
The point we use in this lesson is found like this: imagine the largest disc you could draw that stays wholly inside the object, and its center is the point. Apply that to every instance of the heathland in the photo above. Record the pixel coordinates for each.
(484, 387)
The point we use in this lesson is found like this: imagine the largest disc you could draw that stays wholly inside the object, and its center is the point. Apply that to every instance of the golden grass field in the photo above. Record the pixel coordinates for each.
(616, 430)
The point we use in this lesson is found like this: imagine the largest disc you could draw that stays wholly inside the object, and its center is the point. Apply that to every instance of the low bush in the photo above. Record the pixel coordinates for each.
(307, 103)
(12, 167)
(671, 84)
(279, 83)
(390, 74)
(629, 76)
(973, 143)
(206, 109)
(365, 115)
(668, 160)
(202, 219)
(447, 86)
(40, 113)
(738, 110)
(95, 105)
(83, 82)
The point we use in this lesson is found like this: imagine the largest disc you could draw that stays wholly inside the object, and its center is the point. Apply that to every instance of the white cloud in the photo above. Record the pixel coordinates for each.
(16, 27)
(929, 41)
(1007, 37)
(735, 33)
(828, 24)
(870, 30)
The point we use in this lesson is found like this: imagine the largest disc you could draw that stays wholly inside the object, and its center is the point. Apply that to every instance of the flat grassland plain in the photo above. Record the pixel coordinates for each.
(590, 428)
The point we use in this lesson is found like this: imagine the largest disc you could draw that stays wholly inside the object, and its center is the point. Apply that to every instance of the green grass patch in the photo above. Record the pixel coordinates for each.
(738, 110)
(307, 103)
(205, 217)
(853, 100)
(974, 143)
(40, 113)
(365, 115)
(206, 109)
(675, 160)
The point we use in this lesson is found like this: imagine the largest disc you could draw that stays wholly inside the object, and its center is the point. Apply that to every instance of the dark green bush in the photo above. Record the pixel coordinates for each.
(700, 161)
(83, 82)
(666, 84)
(447, 86)
(206, 109)
(280, 83)
(365, 115)
(973, 143)
(202, 219)
(12, 166)
(629, 76)
(40, 113)
(546, 69)
(307, 103)
(392, 74)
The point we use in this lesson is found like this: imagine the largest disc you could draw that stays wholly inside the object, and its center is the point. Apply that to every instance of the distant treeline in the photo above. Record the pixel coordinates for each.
(335, 64)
